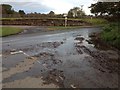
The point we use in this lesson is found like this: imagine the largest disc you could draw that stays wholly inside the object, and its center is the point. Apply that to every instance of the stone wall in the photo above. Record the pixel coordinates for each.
(43, 22)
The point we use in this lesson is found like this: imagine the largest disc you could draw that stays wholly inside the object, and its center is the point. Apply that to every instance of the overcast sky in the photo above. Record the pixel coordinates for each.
(45, 6)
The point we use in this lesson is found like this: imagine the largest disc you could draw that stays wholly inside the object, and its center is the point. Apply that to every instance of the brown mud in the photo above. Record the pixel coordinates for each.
(66, 60)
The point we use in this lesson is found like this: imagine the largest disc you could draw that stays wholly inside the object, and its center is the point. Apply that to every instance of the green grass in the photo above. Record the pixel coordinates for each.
(9, 18)
(64, 28)
(60, 27)
(6, 31)
(96, 21)
(111, 34)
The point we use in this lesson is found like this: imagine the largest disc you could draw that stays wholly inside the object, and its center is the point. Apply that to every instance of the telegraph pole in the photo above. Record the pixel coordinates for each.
(81, 7)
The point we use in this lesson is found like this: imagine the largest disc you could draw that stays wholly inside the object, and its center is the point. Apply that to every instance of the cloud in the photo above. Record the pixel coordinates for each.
(60, 6)
(30, 6)
(45, 6)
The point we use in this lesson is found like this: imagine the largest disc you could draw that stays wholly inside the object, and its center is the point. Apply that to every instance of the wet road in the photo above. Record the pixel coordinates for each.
(57, 59)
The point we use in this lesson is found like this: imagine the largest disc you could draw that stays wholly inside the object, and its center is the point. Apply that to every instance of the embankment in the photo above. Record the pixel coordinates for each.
(44, 22)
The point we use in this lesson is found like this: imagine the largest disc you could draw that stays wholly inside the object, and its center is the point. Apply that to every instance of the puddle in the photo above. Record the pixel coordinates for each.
(12, 60)
(67, 60)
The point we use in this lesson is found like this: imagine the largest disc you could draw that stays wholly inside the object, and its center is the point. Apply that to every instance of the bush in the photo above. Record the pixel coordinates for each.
(96, 21)
(111, 34)
(107, 28)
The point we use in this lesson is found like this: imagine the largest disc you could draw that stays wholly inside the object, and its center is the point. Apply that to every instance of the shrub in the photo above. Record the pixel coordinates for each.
(111, 34)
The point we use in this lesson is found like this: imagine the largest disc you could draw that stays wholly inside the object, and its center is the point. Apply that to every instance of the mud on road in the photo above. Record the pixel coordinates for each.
(65, 60)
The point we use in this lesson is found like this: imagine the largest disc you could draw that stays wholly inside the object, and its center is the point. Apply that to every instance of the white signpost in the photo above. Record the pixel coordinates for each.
(65, 15)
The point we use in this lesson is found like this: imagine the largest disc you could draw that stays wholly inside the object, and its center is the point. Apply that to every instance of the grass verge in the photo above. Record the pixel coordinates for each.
(96, 21)
(6, 31)
(111, 34)
(65, 28)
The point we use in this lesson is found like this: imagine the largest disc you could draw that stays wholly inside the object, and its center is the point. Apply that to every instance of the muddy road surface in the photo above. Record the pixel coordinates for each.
(59, 59)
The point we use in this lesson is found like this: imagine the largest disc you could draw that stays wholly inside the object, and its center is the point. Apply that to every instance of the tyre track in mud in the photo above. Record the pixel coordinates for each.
(65, 62)
(20, 67)
(102, 57)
